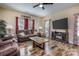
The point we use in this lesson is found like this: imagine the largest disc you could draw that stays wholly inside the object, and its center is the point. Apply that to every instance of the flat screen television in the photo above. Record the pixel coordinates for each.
(60, 24)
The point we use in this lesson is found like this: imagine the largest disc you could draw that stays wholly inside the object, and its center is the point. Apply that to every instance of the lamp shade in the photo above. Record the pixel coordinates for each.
(9, 27)
(40, 27)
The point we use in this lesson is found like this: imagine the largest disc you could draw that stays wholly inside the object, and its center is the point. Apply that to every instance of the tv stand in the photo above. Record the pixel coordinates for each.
(60, 36)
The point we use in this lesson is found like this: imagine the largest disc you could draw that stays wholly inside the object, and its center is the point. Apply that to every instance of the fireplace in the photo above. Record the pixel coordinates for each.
(60, 36)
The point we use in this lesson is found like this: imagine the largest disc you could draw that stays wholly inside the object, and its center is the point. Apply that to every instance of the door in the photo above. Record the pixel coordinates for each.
(47, 28)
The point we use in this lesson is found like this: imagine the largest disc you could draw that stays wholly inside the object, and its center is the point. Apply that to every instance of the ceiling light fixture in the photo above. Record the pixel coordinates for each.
(41, 5)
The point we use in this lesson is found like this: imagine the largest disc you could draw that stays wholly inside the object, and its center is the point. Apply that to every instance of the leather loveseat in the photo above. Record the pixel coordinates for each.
(8, 48)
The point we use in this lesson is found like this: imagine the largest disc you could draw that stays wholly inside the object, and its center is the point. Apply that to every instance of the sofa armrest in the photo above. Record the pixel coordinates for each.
(6, 42)
(7, 38)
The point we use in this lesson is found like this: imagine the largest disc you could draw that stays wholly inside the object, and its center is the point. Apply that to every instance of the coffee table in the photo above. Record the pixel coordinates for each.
(39, 42)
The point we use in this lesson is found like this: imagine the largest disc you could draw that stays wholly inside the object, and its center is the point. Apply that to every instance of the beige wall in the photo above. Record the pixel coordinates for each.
(62, 14)
(10, 15)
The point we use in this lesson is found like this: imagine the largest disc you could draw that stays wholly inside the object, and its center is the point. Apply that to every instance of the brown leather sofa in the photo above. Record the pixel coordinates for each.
(9, 48)
(22, 38)
(7, 38)
(23, 35)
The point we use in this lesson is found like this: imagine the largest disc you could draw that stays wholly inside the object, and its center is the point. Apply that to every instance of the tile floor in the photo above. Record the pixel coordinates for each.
(54, 48)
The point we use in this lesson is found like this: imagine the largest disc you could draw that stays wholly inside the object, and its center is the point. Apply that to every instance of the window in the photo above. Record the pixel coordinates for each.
(20, 23)
(30, 23)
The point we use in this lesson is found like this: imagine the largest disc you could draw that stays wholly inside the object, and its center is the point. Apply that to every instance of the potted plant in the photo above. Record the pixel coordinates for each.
(2, 28)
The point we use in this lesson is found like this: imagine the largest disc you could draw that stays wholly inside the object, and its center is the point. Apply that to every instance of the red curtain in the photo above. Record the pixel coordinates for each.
(16, 24)
(33, 26)
(25, 24)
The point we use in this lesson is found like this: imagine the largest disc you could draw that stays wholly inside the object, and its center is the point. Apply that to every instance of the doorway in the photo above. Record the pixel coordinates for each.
(47, 28)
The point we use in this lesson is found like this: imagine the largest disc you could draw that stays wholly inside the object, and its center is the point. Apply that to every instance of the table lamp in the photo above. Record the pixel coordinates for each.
(9, 28)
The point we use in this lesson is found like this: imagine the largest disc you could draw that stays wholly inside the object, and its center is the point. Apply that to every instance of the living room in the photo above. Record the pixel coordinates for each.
(39, 29)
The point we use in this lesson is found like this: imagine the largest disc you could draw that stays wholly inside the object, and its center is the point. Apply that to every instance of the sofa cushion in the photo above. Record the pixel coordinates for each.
(22, 34)
(7, 51)
(0, 41)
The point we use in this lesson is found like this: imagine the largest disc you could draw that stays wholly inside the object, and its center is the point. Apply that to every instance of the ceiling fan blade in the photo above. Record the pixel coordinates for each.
(47, 3)
(36, 5)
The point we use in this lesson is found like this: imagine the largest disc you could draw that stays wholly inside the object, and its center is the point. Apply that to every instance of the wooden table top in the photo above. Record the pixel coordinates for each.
(39, 40)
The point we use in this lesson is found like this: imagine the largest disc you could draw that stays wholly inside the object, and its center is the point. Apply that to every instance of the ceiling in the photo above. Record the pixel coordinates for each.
(28, 8)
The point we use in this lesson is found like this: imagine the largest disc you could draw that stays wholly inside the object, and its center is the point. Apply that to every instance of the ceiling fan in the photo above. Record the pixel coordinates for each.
(42, 5)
